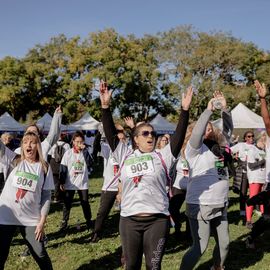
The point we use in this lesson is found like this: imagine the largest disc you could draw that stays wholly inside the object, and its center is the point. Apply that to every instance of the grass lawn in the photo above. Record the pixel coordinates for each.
(73, 251)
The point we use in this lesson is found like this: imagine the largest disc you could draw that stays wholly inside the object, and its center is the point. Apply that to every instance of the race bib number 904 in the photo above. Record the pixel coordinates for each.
(139, 165)
(24, 180)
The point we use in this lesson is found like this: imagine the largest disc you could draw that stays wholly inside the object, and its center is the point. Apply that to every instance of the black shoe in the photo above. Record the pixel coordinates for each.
(94, 238)
(25, 253)
(63, 227)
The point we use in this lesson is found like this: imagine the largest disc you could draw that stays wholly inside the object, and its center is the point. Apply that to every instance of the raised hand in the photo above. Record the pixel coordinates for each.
(105, 95)
(186, 98)
(260, 88)
(58, 109)
(218, 95)
(129, 122)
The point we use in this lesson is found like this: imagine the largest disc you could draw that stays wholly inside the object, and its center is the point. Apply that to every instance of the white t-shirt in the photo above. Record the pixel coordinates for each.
(209, 181)
(77, 175)
(243, 149)
(5, 161)
(22, 207)
(108, 171)
(149, 195)
(258, 175)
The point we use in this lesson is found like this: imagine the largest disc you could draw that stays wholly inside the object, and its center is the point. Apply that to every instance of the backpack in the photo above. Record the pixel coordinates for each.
(59, 152)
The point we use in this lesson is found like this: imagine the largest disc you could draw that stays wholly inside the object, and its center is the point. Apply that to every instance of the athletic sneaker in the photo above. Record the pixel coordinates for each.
(63, 227)
(94, 238)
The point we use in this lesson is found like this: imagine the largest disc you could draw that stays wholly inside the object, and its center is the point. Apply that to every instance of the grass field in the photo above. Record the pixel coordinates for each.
(73, 251)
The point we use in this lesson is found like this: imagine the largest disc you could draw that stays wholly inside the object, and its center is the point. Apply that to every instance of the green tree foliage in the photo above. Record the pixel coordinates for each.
(147, 74)
(209, 62)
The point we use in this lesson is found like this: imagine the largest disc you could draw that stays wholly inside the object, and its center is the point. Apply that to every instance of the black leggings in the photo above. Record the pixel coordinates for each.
(68, 199)
(36, 248)
(175, 205)
(144, 235)
(107, 199)
(243, 192)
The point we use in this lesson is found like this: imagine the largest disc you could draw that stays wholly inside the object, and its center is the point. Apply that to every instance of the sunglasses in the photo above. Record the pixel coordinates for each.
(250, 136)
(146, 133)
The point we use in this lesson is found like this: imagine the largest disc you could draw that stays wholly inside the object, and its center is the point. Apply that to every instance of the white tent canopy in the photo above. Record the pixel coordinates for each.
(44, 123)
(243, 117)
(87, 122)
(162, 126)
(8, 123)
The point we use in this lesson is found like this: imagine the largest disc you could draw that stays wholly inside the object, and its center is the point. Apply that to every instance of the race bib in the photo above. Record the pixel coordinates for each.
(25, 180)
(222, 171)
(139, 166)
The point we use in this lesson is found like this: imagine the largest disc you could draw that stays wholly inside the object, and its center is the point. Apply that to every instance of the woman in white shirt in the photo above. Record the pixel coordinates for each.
(144, 221)
(74, 168)
(208, 188)
(25, 201)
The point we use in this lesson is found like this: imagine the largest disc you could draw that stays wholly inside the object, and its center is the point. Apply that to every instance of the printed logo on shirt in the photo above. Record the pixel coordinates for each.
(137, 166)
(78, 167)
(25, 180)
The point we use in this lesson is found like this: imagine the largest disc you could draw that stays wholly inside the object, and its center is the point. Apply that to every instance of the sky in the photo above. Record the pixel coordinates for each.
(26, 23)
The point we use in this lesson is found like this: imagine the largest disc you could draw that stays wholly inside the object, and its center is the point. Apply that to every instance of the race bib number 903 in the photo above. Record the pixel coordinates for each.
(139, 165)
(24, 180)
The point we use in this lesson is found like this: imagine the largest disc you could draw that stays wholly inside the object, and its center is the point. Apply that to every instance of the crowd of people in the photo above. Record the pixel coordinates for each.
(149, 176)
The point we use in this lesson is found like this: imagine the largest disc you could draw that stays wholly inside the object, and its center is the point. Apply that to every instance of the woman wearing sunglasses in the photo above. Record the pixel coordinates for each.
(243, 151)
(144, 217)
(25, 201)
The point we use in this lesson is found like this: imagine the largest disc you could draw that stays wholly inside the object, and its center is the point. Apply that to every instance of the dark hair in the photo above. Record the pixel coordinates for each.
(38, 130)
(78, 133)
(136, 130)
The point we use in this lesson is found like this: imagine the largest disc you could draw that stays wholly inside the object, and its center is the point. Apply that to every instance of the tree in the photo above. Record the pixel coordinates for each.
(209, 62)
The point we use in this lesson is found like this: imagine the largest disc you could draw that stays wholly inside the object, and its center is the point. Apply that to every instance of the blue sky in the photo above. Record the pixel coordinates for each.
(25, 23)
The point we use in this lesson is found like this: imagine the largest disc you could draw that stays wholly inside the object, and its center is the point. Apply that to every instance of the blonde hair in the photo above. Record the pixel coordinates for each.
(39, 156)
(187, 137)
(216, 136)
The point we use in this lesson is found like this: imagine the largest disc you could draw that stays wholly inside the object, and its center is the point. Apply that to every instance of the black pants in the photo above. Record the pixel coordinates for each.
(175, 205)
(58, 193)
(36, 248)
(107, 199)
(68, 199)
(144, 235)
(243, 192)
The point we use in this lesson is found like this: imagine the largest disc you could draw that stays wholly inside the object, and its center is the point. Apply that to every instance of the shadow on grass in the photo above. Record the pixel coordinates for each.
(109, 262)
(177, 243)
(241, 258)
